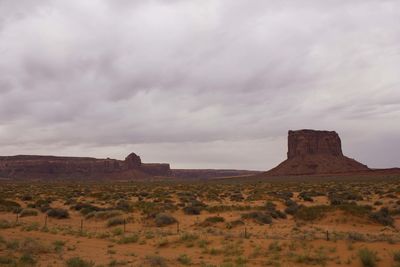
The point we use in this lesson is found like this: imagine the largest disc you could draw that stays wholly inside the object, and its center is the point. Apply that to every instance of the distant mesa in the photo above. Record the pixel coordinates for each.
(315, 152)
(42, 167)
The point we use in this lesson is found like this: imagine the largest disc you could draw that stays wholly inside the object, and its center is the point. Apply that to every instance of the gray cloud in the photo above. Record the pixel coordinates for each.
(198, 83)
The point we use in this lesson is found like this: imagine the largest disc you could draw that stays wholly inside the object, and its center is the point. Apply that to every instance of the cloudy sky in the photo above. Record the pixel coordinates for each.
(201, 83)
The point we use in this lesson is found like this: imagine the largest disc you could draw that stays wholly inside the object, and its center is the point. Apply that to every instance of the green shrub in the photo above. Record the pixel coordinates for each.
(33, 246)
(184, 259)
(9, 206)
(58, 213)
(115, 221)
(163, 219)
(28, 212)
(128, 239)
(105, 214)
(312, 213)
(156, 261)
(27, 260)
(234, 224)
(212, 220)
(86, 208)
(368, 257)
(383, 217)
(355, 210)
(58, 245)
(258, 216)
(187, 237)
(4, 224)
(78, 262)
(4, 261)
(396, 256)
(192, 210)
(215, 219)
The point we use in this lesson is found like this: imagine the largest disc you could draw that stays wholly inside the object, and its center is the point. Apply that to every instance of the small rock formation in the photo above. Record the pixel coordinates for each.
(315, 152)
(47, 167)
(133, 161)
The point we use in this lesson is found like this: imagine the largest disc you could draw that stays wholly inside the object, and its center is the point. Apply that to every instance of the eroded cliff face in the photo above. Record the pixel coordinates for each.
(310, 142)
(315, 152)
(45, 167)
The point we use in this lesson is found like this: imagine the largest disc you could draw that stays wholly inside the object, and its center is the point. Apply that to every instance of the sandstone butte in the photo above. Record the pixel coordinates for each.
(42, 167)
(315, 152)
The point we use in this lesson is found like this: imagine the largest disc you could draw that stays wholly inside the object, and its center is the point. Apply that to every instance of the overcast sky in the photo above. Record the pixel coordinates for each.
(199, 84)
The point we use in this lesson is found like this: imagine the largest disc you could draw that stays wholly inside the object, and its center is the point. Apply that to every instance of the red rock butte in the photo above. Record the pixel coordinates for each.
(315, 152)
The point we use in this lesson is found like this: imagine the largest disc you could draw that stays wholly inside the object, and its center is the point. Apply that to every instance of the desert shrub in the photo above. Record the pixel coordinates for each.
(274, 247)
(312, 259)
(234, 224)
(184, 259)
(306, 196)
(86, 208)
(185, 237)
(128, 239)
(78, 262)
(156, 261)
(237, 197)
(224, 208)
(103, 215)
(58, 213)
(355, 210)
(292, 207)
(4, 224)
(27, 259)
(354, 236)
(368, 257)
(396, 256)
(281, 194)
(312, 213)
(270, 208)
(214, 219)
(115, 221)
(277, 214)
(42, 204)
(258, 216)
(124, 205)
(7, 261)
(9, 206)
(151, 209)
(383, 217)
(343, 197)
(163, 219)
(192, 210)
(58, 245)
(28, 212)
(26, 198)
(32, 246)
(12, 244)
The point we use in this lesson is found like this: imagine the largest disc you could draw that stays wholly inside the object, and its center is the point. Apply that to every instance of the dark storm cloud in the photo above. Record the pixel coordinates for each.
(198, 83)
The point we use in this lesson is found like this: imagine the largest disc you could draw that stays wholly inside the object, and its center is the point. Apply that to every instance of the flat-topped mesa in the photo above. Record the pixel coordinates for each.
(315, 152)
(311, 142)
(37, 167)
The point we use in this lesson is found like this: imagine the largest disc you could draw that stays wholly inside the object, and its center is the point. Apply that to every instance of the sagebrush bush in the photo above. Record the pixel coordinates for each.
(383, 217)
(258, 216)
(163, 219)
(368, 257)
(78, 262)
(312, 213)
(28, 212)
(58, 213)
(115, 221)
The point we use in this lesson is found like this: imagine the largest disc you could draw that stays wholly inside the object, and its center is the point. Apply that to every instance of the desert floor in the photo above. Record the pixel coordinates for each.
(214, 223)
